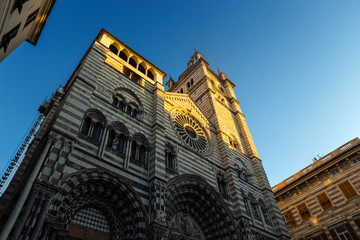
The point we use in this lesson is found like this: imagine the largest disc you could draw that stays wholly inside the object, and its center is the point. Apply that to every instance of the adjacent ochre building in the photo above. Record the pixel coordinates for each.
(118, 157)
(322, 201)
(21, 20)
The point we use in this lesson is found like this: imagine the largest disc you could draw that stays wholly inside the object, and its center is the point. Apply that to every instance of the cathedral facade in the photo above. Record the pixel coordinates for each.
(118, 157)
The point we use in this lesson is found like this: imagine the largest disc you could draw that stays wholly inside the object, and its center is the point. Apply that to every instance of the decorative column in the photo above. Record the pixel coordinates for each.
(25, 193)
(157, 229)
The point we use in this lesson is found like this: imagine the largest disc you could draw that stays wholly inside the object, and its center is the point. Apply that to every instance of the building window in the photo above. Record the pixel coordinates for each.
(113, 49)
(92, 126)
(141, 68)
(31, 17)
(170, 157)
(133, 149)
(123, 56)
(342, 233)
(304, 211)
(19, 4)
(181, 90)
(348, 190)
(324, 201)
(119, 103)
(115, 102)
(222, 186)
(150, 75)
(243, 175)
(356, 161)
(86, 126)
(334, 172)
(265, 213)
(134, 112)
(96, 131)
(232, 141)
(192, 81)
(255, 210)
(132, 62)
(289, 218)
(8, 36)
(188, 85)
(138, 151)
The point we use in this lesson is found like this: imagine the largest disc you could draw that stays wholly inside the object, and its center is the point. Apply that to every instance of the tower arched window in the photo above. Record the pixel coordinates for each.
(123, 56)
(115, 102)
(121, 143)
(142, 153)
(244, 175)
(111, 138)
(132, 62)
(121, 105)
(113, 49)
(129, 110)
(86, 126)
(265, 213)
(181, 90)
(232, 141)
(92, 126)
(141, 68)
(134, 112)
(133, 149)
(192, 81)
(96, 131)
(150, 75)
(188, 85)
(255, 209)
(139, 150)
(170, 157)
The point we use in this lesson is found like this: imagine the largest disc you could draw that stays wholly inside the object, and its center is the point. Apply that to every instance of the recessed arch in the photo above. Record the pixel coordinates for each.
(114, 48)
(138, 102)
(142, 68)
(124, 54)
(193, 195)
(121, 127)
(106, 191)
(133, 62)
(151, 74)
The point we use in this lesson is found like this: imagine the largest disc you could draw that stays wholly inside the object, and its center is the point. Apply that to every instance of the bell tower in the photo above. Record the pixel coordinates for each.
(214, 94)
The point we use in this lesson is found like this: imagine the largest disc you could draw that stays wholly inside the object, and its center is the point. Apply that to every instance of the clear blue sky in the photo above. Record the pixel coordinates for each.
(296, 65)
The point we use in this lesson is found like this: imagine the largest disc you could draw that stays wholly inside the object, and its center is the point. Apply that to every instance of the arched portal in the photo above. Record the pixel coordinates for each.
(99, 202)
(196, 211)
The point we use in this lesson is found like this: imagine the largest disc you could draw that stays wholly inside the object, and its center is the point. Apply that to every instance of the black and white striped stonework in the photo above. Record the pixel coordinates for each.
(106, 167)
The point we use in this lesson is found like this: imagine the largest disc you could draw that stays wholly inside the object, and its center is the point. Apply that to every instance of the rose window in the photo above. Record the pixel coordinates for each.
(190, 132)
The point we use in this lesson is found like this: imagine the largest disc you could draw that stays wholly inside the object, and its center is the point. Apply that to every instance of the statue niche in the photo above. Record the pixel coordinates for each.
(183, 226)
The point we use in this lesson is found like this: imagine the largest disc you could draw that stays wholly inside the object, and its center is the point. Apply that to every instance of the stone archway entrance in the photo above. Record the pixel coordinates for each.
(194, 210)
(96, 204)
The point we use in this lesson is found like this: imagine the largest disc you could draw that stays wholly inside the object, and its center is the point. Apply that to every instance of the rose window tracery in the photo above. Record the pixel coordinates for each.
(190, 132)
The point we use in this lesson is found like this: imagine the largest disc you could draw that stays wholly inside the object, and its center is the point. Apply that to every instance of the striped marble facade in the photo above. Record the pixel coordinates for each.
(315, 202)
(110, 146)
